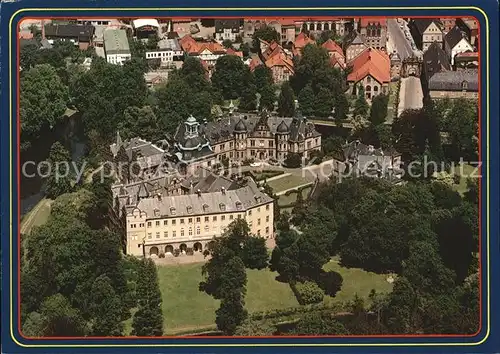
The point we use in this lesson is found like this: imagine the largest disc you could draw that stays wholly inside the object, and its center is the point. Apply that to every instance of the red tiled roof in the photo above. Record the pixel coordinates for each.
(231, 51)
(302, 40)
(366, 20)
(371, 62)
(467, 54)
(273, 49)
(334, 61)
(280, 60)
(190, 46)
(255, 62)
(331, 46)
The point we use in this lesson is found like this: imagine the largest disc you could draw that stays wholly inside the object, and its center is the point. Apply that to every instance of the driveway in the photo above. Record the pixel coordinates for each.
(410, 94)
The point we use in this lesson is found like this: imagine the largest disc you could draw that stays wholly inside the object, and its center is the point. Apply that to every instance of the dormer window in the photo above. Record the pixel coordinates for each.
(222, 206)
(238, 205)
(190, 209)
(464, 85)
(205, 207)
(173, 211)
(157, 212)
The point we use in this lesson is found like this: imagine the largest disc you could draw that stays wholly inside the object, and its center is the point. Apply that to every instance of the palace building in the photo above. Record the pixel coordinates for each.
(240, 137)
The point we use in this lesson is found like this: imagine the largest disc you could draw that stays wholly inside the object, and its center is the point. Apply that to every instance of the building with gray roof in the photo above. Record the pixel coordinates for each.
(116, 46)
(454, 84)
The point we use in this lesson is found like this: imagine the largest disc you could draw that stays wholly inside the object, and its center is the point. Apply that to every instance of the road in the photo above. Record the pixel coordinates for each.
(410, 94)
(398, 41)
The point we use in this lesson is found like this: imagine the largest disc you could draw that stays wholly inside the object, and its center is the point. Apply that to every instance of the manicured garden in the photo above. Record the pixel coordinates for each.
(186, 309)
(287, 182)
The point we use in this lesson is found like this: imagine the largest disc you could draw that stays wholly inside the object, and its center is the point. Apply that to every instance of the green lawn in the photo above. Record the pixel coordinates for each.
(37, 216)
(357, 281)
(287, 199)
(186, 309)
(284, 183)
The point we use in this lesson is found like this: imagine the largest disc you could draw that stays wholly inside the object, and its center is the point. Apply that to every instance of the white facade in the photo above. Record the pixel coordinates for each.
(227, 34)
(461, 47)
(209, 57)
(166, 56)
(118, 59)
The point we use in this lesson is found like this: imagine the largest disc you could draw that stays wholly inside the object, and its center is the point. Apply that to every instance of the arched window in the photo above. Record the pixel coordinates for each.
(318, 26)
(375, 88)
(368, 88)
(378, 32)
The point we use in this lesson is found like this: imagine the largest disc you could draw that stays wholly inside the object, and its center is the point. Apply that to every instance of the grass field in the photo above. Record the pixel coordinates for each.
(186, 309)
(37, 216)
(282, 184)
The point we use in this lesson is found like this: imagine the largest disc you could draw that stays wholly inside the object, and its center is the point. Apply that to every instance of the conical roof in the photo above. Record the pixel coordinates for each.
(240, 127)
(282, 127)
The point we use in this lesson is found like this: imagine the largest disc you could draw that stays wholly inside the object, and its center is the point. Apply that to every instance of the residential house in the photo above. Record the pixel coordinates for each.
(448, 23)
(435, 61)
(454, 84)
(116, 47)
(167, 50)
(145, 27)
(155, 78)
(470, 27)
(354, 45)
(300, 42)
(227, 29)
(80, 35)
(281, 66)
(467, 60)
(456, 42)
(426, 31)
(372, 70)
(335, 52)
(374, 31)
(206, 51)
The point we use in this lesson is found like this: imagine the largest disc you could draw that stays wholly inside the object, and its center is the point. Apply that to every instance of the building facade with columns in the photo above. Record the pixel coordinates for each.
(188, 223)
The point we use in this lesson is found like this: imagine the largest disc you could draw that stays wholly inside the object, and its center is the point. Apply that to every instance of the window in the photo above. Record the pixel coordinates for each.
(157, 223)
(165, 222)
(230, 217)
(150, 235)
(375, 88)
(198, 231)
(249, 213)
(190, 220)
(258, 232)
(258, 221)
(267, 218)
(190, 232)
(182, 232)
(250, 223)
(198, 219)
(258, 210)
(174, 233)
(165, 234)
(189, 209)
(141, 225)
(267, 230)
(368, 79)
(182, 221)
(238, 205)
(223, 217)
(214, 218)
(206, 228)
(252, 142)
(205, 206)
(222, 206)
(239, 216)
(173, 222)
(172, 211)
(149, 223)
(206, 218)
(464, 85)
(157, 235)
(267, 207)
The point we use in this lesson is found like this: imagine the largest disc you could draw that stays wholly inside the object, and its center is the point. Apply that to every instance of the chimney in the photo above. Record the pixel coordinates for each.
(198, 192)
(43, 29)
(223, 190)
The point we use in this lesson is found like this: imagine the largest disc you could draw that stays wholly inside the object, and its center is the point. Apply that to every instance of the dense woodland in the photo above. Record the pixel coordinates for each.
(76, 281)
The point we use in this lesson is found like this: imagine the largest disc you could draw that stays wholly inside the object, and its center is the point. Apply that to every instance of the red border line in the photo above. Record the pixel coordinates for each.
(244, 337)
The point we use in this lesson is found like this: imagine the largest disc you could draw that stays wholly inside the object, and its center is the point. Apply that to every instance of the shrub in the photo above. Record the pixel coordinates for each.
(293, 160)
(161, 255)
(330, 282)
(308, 292)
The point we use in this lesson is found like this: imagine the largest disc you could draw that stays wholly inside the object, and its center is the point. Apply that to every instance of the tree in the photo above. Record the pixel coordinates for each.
(231, 312)
(106, 308)
(245, 48)
(326, 35)
(254, 252)
(28, 56)
(264, 83)
(462, 125)
(248, 99)
(308, 293)
(227, 43)
(60, 318)
(378, 110)
(231, 76)
(265, 33)
(43, 100)
(140, 122)
(360, 105)
(148, 320)
(193, 73)
(324, 103)
(152, 42)
(286, 101)
(59, 180)
(319, 323)
(250, 328)
(307, 101)
(341, 105)
(293, 160)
